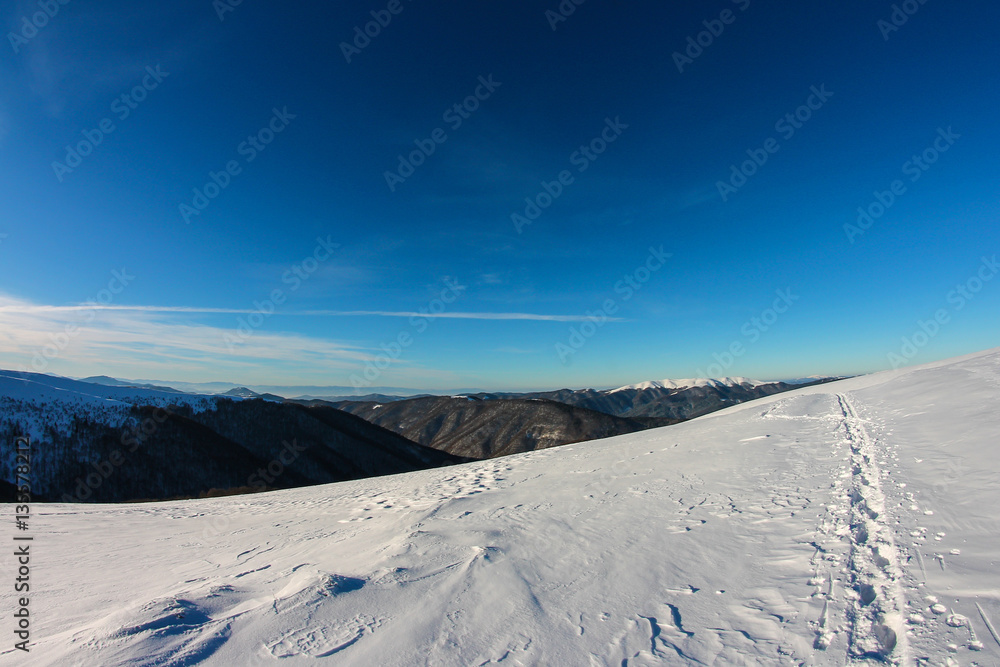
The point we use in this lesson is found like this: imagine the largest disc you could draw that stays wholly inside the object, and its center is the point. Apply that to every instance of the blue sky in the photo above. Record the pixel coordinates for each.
(312, 222)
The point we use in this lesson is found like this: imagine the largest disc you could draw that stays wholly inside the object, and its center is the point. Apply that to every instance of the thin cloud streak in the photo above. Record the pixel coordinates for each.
(534, 317)
(42, 339)
(459, 316)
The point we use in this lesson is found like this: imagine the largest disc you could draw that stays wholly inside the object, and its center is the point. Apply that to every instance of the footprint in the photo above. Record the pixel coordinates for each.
(324, 641)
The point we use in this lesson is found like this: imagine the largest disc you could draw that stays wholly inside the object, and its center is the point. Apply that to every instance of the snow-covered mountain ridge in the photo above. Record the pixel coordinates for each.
(112, 443)
(38, 388)
(42, 404)
(692, 382)
(852, 522)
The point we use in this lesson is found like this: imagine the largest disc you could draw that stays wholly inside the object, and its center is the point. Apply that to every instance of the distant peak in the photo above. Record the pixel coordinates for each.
(103, 379)
(241, 392)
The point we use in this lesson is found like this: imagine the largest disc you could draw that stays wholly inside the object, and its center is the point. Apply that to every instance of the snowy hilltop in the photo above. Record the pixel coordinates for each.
(851, 522)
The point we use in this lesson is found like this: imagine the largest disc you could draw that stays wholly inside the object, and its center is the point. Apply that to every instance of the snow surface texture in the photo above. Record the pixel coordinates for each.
(845, 523)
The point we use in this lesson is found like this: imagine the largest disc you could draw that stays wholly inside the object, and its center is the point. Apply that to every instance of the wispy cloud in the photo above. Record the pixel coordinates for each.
(491, 279)
(83, 340)
(25, 308)
(458, 316)
(165, 342)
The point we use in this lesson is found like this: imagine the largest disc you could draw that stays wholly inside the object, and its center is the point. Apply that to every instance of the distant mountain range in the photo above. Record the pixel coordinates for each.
(111, 440)
(484, 425)
(285, 391)
(342, 393)
(112, 382)
(677, 399)
(109, 443)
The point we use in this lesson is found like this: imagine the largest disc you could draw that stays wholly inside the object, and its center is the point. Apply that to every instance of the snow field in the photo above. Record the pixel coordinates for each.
(848, 523)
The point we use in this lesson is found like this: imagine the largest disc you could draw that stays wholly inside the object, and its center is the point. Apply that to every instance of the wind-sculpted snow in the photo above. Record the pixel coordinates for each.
(848, 523)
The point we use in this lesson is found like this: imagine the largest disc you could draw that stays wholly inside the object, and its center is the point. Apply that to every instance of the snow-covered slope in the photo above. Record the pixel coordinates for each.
(826, 526)
(41, 403)
(39, 388)
(692, 382)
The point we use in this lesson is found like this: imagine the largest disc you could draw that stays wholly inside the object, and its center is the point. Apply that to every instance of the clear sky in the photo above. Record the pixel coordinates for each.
(629, 126)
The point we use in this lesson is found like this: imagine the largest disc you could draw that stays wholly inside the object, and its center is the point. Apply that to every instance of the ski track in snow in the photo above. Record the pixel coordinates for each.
(811, 528)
